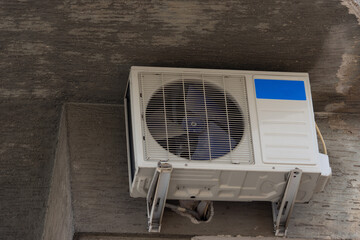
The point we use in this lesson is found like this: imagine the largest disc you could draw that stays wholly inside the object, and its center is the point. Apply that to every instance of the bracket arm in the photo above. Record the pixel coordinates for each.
(282, 209)
(156, 196)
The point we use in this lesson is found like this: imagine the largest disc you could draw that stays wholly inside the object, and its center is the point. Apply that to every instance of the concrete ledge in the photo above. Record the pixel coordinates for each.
(137, 237)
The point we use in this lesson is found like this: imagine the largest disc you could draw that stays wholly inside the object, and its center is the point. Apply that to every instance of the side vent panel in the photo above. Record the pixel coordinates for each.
(284, 122)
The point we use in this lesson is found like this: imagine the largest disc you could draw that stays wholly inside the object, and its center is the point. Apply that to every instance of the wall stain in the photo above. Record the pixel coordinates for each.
(348, 73)
(353, 6)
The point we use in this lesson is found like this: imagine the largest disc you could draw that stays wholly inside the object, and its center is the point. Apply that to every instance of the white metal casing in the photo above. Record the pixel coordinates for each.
(283, 136)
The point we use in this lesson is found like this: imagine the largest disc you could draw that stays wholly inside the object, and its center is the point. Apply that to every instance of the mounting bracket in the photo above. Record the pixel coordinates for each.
(156, 196)
(283, 208)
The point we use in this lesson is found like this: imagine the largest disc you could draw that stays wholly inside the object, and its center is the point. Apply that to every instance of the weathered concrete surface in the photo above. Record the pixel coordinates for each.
(70, 50)
(135, 237)
(82, 50)
(59, 217)
(27, 143)
(335, 213)
(103, 209)
(240, 238)
(88, 237)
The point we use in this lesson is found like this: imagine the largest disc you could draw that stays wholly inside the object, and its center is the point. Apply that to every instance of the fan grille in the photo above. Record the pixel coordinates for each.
(195, 117)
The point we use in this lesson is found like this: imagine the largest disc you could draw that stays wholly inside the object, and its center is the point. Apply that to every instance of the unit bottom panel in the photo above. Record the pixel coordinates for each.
(218, 185)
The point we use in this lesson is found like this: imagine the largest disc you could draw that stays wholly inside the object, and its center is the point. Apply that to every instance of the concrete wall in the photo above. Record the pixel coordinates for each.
(69, 50)
(59, 216)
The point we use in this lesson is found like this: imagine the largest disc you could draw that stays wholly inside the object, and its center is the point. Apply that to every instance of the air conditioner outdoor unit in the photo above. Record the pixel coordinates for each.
(222, 135)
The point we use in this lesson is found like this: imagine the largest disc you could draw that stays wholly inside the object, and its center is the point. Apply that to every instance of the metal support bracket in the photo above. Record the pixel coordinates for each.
(156, 196)
(282, 209)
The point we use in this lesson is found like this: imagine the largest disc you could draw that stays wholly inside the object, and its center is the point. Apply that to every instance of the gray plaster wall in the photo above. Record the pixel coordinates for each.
(56, 51)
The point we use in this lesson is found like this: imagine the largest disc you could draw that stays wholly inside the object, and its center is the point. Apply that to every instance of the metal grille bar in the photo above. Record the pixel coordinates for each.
(186, 118)
(206, 114)
(165, 118)
(227, 118)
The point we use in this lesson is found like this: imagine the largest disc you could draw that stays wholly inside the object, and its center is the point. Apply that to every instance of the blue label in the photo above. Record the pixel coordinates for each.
(280, 89)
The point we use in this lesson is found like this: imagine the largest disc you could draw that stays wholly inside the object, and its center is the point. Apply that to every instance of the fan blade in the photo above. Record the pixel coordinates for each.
(178, 145)
(219, 143)
(193, 123)
(195, 100)
(159, 126)
(215, 107)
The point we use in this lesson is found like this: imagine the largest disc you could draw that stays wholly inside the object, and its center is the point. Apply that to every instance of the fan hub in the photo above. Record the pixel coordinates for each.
(194, 124)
